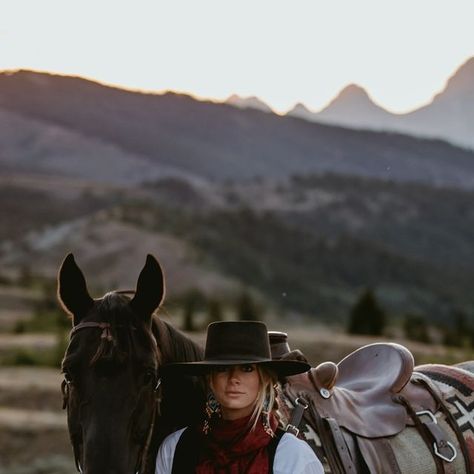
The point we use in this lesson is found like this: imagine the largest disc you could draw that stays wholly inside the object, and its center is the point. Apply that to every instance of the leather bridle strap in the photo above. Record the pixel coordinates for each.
(142, 458)
(106, 333)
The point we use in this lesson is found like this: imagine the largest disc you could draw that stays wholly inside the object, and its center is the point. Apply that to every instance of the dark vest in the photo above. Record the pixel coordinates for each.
(187, 450)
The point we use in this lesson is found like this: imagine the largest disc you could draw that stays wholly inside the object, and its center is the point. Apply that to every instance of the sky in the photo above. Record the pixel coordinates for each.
(402, 52)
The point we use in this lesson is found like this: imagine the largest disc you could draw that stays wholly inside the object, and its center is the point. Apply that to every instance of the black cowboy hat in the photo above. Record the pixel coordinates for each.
(237, 343)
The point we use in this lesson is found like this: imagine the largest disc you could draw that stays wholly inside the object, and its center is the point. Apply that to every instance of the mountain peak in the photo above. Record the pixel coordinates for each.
(351, 96)
(251, 102)
(461, 82)
(301, 111)
(353, 90)
(300, 107)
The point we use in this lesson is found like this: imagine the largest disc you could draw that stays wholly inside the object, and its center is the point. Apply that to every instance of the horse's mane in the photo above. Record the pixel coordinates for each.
(174, 345)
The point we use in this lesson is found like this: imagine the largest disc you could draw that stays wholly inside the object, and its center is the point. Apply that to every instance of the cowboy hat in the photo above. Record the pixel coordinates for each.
(238, 343)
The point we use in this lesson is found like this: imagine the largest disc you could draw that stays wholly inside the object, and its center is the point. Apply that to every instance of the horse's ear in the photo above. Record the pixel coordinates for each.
(150, 289)
(72, 289)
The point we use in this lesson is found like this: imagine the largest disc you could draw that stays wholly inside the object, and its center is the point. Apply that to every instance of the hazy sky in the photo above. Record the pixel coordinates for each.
(285, 52)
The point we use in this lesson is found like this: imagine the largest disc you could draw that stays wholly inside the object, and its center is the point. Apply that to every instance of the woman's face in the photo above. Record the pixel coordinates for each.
(236, 388)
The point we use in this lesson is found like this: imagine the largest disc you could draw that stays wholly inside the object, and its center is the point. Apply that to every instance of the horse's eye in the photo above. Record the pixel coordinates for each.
(149, 377)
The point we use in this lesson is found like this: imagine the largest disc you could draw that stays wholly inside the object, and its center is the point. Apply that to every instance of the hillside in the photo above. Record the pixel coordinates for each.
(213, 141)
(305, 215)
(311, 244)
(315, 244)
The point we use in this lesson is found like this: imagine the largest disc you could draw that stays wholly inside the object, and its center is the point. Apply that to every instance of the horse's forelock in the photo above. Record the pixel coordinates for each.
(130, 337)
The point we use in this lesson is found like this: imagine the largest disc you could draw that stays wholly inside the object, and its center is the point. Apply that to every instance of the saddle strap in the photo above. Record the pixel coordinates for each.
(334, 444)
(423, 380)
(432, 434)
(293, 426)
(341, 446)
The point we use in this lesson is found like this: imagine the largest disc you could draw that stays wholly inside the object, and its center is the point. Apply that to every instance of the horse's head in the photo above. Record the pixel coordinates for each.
(111, 370)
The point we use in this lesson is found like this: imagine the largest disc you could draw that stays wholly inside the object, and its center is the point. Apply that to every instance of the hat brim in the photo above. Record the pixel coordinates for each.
(280, 367)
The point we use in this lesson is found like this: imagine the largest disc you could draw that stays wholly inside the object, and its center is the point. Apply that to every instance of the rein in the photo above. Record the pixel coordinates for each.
(65, 387)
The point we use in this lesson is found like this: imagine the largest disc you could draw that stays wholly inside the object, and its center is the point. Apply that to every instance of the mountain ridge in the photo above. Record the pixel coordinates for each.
(448, 116)
(217, 141)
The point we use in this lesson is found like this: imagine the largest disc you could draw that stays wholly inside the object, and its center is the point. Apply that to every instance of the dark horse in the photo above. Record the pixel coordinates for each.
(372, 412)
(118, 407)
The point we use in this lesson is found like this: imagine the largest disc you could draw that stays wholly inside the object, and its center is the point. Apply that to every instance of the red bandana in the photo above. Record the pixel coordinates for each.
(232, 447)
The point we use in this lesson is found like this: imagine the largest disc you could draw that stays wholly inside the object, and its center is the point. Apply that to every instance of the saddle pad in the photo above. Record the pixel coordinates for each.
(413, 455)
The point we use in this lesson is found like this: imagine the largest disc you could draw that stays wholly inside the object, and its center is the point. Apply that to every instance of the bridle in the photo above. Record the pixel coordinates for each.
(66, 384)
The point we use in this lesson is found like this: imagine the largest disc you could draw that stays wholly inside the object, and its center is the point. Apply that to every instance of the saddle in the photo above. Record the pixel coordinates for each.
(363, 387)
(371, 395)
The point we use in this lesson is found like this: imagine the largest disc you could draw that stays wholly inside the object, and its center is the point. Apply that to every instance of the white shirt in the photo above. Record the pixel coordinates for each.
(293, 456)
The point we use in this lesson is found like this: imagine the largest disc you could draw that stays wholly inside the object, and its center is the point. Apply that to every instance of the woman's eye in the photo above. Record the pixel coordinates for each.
(247, 368)
(221, 369)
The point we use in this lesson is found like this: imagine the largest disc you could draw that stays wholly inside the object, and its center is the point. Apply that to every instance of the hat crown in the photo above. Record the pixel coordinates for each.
(278, 344)
(242, 341)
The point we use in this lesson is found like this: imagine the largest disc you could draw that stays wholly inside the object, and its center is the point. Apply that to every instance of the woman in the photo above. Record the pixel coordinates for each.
(239, 433)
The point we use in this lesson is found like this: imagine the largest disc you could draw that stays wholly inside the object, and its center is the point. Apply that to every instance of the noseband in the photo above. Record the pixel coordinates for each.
(65, 387)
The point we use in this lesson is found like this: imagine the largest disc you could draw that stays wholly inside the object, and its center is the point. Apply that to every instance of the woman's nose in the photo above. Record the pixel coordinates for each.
(234, 374)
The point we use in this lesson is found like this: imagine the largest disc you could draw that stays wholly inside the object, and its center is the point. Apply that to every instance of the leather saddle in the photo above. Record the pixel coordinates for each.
(363, 392)
(370, 396)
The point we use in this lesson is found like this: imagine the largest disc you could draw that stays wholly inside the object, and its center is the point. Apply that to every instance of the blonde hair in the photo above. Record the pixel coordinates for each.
(267, 393)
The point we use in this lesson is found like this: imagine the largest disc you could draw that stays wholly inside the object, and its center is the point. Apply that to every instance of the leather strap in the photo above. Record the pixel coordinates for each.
(424, 381)
(341, 446)
(296, 416)
(106, 333)
(424, 432)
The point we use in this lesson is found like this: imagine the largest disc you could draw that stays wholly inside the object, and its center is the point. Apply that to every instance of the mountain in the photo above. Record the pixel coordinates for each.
(450, 115)
(353, 105)
(301, 111)
(248, 103)
(177, 135)
(307, 214)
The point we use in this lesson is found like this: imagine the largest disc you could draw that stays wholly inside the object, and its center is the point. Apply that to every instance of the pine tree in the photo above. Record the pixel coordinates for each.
(366, 316)
(246, 308)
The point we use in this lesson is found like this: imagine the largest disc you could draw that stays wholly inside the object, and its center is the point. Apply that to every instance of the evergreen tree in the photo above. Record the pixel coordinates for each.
(247, 309)
(366, 316)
